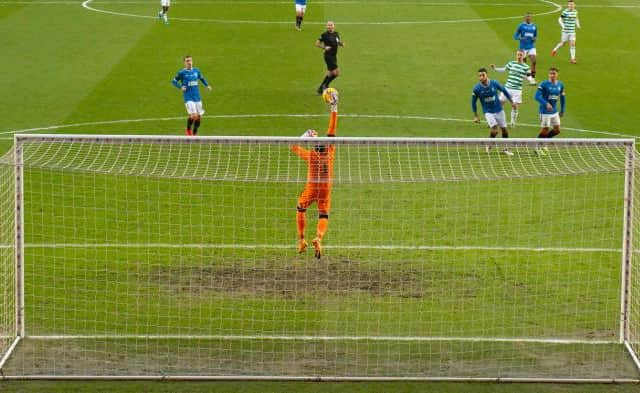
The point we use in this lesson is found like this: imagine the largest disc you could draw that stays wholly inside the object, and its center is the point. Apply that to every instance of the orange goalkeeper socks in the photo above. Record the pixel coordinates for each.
(300, 220)
(323, 223)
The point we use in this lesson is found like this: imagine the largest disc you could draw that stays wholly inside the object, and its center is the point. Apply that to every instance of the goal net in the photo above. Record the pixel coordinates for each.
(176, 257)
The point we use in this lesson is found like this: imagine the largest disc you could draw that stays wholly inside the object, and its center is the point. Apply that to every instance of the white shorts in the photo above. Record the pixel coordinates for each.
(516, 96)
(568, 37)
(301, 8)
(496, 119)
(529, 52)
(165, 3)
(548, 121)
(194, 107)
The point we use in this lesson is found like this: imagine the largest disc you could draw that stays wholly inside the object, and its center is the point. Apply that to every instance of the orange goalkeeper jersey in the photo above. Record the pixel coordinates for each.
(320, 163)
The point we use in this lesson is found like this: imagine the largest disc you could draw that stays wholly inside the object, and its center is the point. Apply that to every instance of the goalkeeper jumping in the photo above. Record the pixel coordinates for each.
(319, 181)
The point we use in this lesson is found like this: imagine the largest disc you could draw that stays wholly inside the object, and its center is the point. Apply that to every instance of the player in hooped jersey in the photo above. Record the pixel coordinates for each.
(487, 91)
(162, 14)
(301, 8)
(527, 34)
(187, 81)
(549, 93)
(518, 70)
(569, 21)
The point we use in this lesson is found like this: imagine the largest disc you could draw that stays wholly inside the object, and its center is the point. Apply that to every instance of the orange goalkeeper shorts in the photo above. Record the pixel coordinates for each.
(321, 195)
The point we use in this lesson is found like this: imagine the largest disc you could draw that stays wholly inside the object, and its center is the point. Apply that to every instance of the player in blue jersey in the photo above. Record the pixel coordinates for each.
(549, 93)
(487, 91)
(301, 8)
(187, 81)
(527, 34)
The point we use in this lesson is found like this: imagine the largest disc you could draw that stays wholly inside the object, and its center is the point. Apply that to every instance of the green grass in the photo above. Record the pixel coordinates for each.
(67, 65)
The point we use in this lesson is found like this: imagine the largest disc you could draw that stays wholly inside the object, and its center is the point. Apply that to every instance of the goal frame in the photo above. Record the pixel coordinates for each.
(626, 248)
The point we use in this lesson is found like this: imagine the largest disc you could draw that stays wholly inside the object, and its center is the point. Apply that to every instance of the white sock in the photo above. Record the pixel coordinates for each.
(557, 47)
(164, 16)
(514, 116)
(572, 51)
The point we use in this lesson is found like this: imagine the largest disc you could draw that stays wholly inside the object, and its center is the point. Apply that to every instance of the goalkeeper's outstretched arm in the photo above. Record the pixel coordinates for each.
(333, 120)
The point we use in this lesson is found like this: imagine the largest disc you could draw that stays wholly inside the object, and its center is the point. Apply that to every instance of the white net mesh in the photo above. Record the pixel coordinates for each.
(7, 257)
(175, 256)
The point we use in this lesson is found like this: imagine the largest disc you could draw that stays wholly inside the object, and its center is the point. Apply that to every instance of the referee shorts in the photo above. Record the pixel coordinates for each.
(331, 61)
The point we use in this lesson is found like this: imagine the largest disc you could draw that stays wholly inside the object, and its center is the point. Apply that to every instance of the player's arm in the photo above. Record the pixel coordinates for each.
(578, 22)
(563, 101)
(177, 81)
(504, 91)
(518, 36)
(301, 152)
(561, 21)
(333, 120)
(540, 98)
(499, 69)
(204, 82)
(320, 44)
(474, 106)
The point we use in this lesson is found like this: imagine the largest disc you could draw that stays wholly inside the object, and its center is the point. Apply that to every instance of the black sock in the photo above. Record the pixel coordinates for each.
(196, 124)
(189, 123)
(330, 79)
(533, 75)
(298, 21)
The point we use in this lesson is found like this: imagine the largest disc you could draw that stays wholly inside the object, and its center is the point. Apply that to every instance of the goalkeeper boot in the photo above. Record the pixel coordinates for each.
(302, 246)
(318, 247)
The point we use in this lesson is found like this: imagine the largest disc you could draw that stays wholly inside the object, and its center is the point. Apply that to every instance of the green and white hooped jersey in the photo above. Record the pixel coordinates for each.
(517, 72)
(570, 20)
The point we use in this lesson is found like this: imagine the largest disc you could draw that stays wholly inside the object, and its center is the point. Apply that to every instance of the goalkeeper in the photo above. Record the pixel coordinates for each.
(319, 181)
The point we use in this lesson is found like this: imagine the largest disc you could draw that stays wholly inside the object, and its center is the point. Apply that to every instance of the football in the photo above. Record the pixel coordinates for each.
(330, 95)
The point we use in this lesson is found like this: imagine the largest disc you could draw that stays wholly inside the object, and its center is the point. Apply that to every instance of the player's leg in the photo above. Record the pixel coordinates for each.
(545, 124)
(192, 111)
(324, 205)
(304, 201)
(493, 127)
(516, 96)
(196, 124)
(572, 49)
(198, 115)
(533, 56)
(165, 12)
(492, 122)
(555, 123)
(501, 123)
(300, 9)
(332, 72)
(564, 38)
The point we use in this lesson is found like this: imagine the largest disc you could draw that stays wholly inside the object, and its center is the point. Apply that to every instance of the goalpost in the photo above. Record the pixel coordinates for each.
(173, 257)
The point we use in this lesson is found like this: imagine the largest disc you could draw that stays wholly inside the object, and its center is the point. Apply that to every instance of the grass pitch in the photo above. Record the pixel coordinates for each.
(108, 73)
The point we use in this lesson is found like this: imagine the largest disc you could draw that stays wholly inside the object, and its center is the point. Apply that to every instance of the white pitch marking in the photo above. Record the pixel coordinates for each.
(322, 338)
(334, 247)
(307, 115)
(557, 8)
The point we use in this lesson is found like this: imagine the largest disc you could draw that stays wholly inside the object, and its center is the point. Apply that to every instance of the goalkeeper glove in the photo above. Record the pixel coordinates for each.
(309, 134)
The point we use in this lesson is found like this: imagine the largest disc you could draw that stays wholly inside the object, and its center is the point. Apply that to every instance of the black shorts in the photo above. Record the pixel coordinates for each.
(331, 61)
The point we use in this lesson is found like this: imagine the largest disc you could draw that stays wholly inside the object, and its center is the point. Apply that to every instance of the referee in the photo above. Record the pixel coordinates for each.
(329, 42)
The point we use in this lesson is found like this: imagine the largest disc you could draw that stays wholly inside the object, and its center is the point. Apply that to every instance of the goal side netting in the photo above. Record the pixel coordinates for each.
(443, 259)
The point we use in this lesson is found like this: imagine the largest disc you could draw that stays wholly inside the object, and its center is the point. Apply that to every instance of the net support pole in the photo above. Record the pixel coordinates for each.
(627, 244)
(19, 236)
